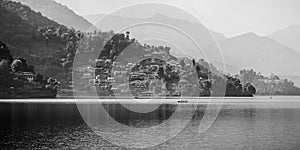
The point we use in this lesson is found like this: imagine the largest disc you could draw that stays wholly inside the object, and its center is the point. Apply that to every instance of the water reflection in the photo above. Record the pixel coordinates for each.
(131, 118)
(242, 126)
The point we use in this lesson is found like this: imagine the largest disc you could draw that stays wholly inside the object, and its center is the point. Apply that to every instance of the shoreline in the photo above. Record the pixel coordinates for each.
(181, 100)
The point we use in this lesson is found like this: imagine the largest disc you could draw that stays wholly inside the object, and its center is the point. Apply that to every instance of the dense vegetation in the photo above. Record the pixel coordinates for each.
(192, 78)
(45, 44)
(272, 85)
(19, 80)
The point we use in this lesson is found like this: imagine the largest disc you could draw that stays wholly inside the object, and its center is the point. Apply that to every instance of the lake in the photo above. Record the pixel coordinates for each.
(232, 123)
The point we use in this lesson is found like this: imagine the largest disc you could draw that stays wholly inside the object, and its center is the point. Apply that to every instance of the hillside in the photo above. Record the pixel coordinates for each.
(288, 36)
(59, 13)
(21, 29)
(36, 38)
(27, 14)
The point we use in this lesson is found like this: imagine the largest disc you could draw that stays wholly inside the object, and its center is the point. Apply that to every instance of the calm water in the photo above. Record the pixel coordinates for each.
(258, 123)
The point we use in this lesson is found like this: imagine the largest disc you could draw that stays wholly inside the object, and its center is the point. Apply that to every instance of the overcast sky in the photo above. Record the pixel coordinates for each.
(230, 17)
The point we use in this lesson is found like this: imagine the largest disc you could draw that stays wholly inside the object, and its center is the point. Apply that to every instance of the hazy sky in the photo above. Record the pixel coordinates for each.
(231, 17)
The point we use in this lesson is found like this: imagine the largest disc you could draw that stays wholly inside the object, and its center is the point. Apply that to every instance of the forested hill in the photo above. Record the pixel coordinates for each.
(23, 30)
(34, 37)
(27, 14)
(60, 13)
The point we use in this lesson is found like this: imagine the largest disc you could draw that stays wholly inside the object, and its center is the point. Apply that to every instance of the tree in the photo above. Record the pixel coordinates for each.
(160, 72)
(249, 90)
(5, 53)
(182, 63)
(19, 64)
(5, 76)
(127, 35)
(247, 76)
(274, 77)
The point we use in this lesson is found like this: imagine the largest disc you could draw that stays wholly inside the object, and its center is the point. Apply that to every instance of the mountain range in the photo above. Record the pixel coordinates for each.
(264, 54)
(260, 53)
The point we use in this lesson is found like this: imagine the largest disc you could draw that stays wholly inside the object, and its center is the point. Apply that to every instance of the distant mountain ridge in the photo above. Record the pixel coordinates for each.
(289, 36)
(195, 30)
(245, 51)
(260, 53)
(59, 13)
